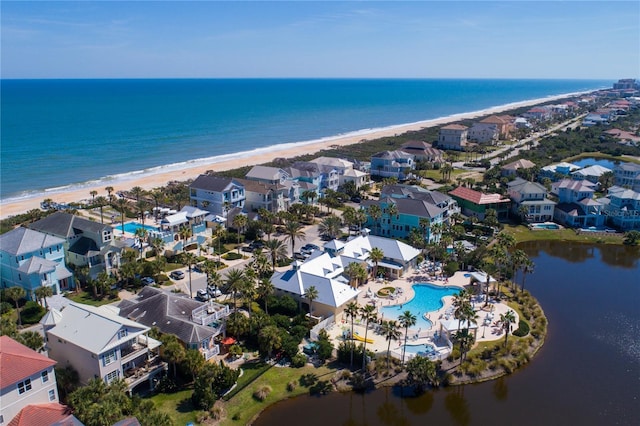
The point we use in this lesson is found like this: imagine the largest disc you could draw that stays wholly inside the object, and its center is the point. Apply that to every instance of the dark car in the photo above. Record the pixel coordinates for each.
(356, 199)
(177, 275)
(309, 248)
(299, 256)
(147, 281)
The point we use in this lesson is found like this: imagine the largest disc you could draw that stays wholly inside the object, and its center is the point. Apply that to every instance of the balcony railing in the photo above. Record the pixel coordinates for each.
(135, 376)
(209, 313)
(211, 352)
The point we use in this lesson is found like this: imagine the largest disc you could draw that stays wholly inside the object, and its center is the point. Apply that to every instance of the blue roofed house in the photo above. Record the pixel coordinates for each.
(576, 206)
(530, 199)
(627, 175)
(86, 242)
(622, 207)
(557, 171)
(392, 164)
(590, 173)
(217, 195)
(30, 259)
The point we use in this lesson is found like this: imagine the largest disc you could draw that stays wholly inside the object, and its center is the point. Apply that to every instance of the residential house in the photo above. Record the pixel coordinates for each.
(196, 324)
(484, 133)
(392, 164)
(453, 136)
(276, 176)
(27, 378)
(541, 113)
(345, 169)
(626, 138)
(31, 259)
(505, 124)
(627, 175)
(475, 203)
(172, 226)
(590, 173)
(217, 195)
(437, 198)
(97, 342)
(512, 168)
(52, 414)
(313, 177)
(530, 199)
(576, 206)
(273, 198)
(87, 243)
(622, 207)
(423, 151)
(557, 171)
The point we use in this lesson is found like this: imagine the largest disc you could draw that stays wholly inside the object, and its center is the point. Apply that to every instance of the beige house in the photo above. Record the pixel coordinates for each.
(512, 168)
(453, 136)
(505, 124)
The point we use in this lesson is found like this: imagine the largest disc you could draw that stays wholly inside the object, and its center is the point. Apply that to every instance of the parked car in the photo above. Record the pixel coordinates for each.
(177, 275)
(309, 248)
(299, 256)
(202, 295)
(197, 267)
(356, 199)
(147, 281)
(214, 292)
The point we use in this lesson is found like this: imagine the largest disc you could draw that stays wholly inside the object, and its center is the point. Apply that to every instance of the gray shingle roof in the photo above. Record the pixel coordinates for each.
(212, 183)
(66, 225)
(21, 241)
(171, 313)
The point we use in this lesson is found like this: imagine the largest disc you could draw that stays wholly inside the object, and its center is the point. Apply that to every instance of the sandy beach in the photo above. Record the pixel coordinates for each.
(12, 208)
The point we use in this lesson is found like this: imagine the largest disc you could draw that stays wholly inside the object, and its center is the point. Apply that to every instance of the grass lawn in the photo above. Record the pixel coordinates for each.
(523, 234)
(87, 299)
(245, 406)
(177, 405)
(436, 176)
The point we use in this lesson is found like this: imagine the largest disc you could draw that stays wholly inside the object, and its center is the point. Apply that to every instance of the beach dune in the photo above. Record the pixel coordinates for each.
(11, 208)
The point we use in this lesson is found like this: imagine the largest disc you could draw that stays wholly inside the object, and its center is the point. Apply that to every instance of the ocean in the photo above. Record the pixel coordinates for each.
(63, 134)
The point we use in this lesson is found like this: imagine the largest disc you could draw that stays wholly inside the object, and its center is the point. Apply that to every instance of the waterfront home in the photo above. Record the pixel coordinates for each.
(627, 175)
(529, 200)
(30, 259)
(541, 113)
(437, 198)
(453, 136)
(557, 171)
(96, 342)
(276, 176)
(512, 168)
(590, 173)
(345, 169)
(622, 207)
(27, 379)
(327, 175)
(423, 151)
(484, 133)
(87, 243)
(217, 195)
(475, 203)
(392, 164)
(576, 206)
(196, 324)
(505, 124)
(259, 195)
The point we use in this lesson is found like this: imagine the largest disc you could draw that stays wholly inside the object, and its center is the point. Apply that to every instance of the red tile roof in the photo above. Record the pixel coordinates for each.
(477, 197)
(40, 414)
(18, 362)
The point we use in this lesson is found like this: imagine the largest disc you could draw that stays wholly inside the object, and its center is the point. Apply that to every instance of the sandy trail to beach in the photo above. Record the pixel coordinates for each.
(160, 179)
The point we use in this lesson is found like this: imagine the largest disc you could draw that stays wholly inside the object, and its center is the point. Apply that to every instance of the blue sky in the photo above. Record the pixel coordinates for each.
(427, 39)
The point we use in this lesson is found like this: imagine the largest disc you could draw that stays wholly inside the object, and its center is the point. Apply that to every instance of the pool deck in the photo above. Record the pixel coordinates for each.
(418, 336)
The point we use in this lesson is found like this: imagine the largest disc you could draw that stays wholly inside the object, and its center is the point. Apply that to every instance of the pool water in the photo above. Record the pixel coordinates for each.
(422, 350)
(545, 226)
(131, 227)
(428, 298)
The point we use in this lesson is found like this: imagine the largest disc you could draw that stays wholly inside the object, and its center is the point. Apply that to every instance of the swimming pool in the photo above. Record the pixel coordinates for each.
(428, 298)
(421, 350)
(545, 226)
(131, 227)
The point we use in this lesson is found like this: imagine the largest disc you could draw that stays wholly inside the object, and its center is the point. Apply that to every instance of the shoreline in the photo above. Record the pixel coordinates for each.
(161, 175)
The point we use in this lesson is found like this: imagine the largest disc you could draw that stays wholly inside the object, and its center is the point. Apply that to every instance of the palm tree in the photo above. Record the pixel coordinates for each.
(42, 293)
(368, 314)
(330, 226)
(526, 269)
(351, 311)
(188, 260)
(109, 190)
(15, 293)
(265, 289)
(506, 320)
(390, 332)
(375, 213)
(406, 319)
(311, 294)
(354, 271)
(518, 261)
(210, 269)
(233, 282)
(309, 195)
(239, 222)
(606, 181)
(293, 231)
(392, 211)
(141, 233)
(101, 202)
(93, 194)
(425, 225)
(122, 203)
(277, 251)
(376, 255)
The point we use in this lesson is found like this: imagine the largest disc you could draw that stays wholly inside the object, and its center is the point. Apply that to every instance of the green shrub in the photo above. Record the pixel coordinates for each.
(32, 312)
(231, 256)
(299, 360)
(262, 393)
(523, 329)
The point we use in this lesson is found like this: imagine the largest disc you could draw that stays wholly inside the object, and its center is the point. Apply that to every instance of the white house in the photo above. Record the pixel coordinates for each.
(453, 136)
(532, 196)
